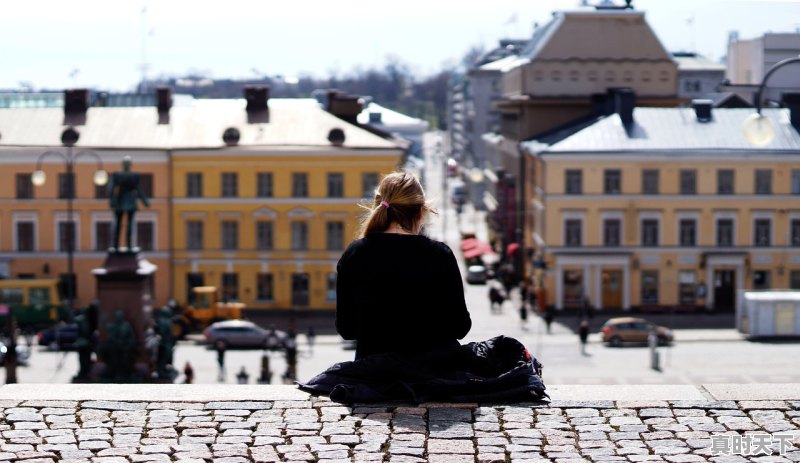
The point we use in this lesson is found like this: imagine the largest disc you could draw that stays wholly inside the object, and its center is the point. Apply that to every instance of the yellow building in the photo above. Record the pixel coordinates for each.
(258, 197)
(665, 207)
(266, 218)
(34, 226)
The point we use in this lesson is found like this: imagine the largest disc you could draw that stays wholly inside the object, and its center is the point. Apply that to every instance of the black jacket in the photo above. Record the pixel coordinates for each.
(500, 368)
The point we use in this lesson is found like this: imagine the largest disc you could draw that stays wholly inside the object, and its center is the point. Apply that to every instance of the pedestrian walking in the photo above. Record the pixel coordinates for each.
(242, 377)
(220, 348)
(188, 373)
(496, 297)
(523, 302)
(311, 335)
(583, 334)
(549, 315)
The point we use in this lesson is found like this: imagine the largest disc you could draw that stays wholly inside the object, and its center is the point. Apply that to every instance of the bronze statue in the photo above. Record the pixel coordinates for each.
(84, 343)
(166, 344)
(125, 190)
(119, 348)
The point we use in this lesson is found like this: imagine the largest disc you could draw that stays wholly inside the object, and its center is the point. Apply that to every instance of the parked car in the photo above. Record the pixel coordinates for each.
(243, 333)
(476, 275)
(617, 331)
(23, 353)
(61, 337)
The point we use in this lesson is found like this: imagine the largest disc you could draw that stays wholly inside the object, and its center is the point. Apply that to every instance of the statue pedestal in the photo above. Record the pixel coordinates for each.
(125, 284)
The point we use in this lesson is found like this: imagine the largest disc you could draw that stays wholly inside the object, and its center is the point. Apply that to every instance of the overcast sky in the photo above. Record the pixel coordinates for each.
(100, 43)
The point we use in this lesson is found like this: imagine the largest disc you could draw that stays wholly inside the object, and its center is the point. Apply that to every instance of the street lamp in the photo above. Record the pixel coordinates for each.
(68, 138)
(758, 130)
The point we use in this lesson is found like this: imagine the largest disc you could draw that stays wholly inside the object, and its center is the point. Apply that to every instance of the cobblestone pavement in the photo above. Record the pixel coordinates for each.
(316, 429)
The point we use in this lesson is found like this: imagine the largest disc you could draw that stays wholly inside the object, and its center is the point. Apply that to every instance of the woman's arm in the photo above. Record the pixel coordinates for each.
(345, 310)
(460, 321)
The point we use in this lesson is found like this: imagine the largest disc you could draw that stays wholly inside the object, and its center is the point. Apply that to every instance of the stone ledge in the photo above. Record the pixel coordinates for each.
(214, 392)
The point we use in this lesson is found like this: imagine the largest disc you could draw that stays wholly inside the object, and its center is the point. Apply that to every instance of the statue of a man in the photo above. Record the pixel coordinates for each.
(119, 348)
(125, 190)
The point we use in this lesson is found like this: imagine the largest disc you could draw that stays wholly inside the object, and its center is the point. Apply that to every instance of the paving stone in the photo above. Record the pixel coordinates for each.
(450, 446)
(250, 405)
(113, 405)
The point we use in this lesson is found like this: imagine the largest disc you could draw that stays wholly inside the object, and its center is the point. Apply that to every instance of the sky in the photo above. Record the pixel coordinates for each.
(102, 44)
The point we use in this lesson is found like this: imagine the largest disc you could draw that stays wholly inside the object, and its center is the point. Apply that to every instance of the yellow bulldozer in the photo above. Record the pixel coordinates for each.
(203, 311)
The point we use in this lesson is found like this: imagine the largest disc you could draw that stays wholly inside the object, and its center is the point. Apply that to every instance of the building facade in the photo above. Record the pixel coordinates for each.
(665, 208)
(256, 196)
(698, 76)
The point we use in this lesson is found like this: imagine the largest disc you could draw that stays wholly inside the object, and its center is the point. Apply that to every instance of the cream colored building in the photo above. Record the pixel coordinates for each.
(673, 209)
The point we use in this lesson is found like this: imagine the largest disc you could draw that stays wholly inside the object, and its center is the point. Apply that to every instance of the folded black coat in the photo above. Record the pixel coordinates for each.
(498, 369)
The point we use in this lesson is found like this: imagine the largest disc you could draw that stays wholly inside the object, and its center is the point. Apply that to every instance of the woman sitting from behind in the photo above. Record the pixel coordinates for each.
(399, 291)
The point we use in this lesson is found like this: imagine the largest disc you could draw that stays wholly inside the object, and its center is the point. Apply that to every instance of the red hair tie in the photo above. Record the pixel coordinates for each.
(385, 204)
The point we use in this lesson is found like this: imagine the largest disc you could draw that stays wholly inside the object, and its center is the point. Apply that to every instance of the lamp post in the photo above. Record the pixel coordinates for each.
(68, 138)
(757, 128)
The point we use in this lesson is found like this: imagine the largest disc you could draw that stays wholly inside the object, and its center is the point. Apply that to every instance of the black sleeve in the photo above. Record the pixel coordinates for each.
(457, 306)
(345, 309)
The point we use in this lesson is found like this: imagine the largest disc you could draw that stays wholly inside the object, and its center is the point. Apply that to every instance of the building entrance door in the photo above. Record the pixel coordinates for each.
(724, 290)
(612, 289)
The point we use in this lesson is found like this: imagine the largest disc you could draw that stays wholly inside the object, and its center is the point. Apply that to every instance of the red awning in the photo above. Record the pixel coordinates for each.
(512, 248)
(479, 250)
(469, 243)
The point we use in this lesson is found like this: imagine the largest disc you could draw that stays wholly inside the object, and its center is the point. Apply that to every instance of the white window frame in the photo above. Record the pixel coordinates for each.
(98, 217)
(24, 217)
(573, 215)
(616, 215)
(62, 217)
(794, 215)
(650, 215)
(761, 215)
(693, 215)
(727, 215)
(146, 217)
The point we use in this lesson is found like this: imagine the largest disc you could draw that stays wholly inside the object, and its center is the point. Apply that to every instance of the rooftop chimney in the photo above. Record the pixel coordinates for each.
(624, 102)
(702, 109)
(257, 97)
(163, 99)
(344, 106)
(792, 101)
(76, 103)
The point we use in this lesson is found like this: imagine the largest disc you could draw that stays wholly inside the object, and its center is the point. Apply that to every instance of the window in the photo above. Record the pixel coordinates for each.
(194, 235)
(572, 283)
(796, 182)
(194, 279)
(264, 290)
(24, 186)
(795, 232)
(102, 235)
(613, 181)
(724, 232)
(336, 185)
(688, 232)
(194, 185)
(762, 232)
(144, 235)
(147, 184)
(611, 232)
(264, 185)
(230, 286)
(574, 181)
(230, 235)
(335, 235)
(299, 289)
(650, 232)
(688, 181)
(101, 191)
(369, 181)
(763, 182)
(762, 280)
(66, 186)
(650, 181)
(264, 235)
(299, 185)
(66, 236)
(725, 181)
(686, 287)
(69, 285)
(330, 290)
(572, 232)
(230, 185)
(649, 287)
(794, 279)
(299, 235)
(25, 236)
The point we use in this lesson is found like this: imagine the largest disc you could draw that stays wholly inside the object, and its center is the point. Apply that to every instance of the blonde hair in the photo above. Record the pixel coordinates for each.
(398, 198)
